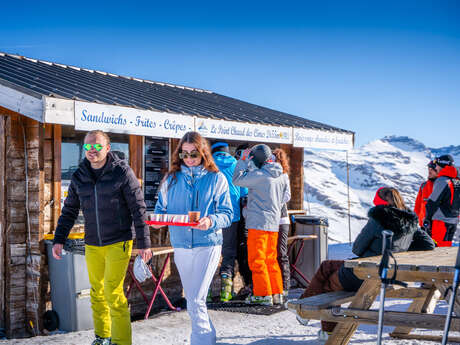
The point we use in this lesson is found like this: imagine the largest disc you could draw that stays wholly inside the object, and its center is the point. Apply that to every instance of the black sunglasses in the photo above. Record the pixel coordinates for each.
(194, 154)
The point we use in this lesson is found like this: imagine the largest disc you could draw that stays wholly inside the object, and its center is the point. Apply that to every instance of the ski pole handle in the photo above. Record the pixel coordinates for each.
(387, 239)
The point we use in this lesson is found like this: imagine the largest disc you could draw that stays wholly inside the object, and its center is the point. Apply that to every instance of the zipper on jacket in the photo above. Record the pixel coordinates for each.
(193, 200)
(124, 246)
(97, 216)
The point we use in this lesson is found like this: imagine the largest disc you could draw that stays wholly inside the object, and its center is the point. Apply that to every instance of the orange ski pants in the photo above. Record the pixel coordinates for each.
(262, 258)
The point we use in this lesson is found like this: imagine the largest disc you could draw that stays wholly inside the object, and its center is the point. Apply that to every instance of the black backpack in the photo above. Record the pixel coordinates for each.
(455, 183)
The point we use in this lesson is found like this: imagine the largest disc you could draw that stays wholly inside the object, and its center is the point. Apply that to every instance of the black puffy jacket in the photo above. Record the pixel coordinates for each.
(406, 236)
(113, 205)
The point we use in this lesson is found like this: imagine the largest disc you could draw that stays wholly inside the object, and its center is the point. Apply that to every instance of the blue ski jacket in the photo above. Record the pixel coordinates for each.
(226, 164)
(196, 189)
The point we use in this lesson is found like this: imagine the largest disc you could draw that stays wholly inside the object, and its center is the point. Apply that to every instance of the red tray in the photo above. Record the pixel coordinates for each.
(157, 222)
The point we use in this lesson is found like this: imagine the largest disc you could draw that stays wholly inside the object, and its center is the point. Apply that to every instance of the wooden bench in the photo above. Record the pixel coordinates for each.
(156, 251)
(318, 302)
(434, 268)
(333, 299)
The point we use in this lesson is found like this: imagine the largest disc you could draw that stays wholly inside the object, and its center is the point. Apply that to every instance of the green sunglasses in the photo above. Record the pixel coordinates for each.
(97, 147)
(193, 154)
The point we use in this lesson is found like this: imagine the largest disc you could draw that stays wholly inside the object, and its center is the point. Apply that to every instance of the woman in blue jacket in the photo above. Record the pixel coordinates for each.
(194, 183)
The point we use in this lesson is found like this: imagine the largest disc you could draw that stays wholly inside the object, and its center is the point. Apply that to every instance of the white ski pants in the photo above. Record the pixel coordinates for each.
(196, 268)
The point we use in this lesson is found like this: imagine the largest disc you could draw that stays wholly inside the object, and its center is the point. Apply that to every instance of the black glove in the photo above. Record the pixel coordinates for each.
(427, 226)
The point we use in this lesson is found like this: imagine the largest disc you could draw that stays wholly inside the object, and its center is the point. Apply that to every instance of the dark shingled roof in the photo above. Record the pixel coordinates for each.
(63, 81)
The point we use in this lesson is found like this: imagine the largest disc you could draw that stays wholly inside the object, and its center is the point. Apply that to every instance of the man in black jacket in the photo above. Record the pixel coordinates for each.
(105, 188)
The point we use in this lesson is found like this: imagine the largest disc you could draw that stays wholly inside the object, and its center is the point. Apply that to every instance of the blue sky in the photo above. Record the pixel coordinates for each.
(377, 68)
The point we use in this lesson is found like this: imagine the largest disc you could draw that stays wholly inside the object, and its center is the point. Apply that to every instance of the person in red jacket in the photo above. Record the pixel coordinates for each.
(442, 207)
(424, 193)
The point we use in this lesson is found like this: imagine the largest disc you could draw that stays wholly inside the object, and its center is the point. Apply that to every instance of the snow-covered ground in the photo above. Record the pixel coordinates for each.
(236, 328)
(232, 328)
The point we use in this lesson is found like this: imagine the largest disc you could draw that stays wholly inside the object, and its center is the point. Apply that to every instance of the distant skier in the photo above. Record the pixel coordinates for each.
(424, 193)
(442, 208)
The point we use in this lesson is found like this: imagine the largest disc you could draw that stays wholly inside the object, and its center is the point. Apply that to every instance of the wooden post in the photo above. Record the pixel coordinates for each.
(173, 143)
(56, 160)
(23, 205)
(34, 222)
(363, 300)
(15, 253)
(136, 155)
(51, 156)
(348, 197)
(295, 176)
(2, 221)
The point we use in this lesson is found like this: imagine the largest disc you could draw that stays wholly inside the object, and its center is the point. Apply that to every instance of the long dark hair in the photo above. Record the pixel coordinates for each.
(201, 145)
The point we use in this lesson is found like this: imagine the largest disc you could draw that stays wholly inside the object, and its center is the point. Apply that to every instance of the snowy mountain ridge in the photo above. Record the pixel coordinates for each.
(395, 161)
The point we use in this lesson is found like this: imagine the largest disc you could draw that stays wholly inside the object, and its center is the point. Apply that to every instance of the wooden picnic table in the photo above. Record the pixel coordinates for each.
(435, 269)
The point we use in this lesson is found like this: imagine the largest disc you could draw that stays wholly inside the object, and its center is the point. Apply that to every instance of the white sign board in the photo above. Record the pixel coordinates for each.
(64, 191)
(111, 118)
(318, 139)
(243, 131)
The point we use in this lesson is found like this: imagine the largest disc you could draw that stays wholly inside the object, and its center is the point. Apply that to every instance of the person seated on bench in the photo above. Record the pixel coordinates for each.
(389, 213)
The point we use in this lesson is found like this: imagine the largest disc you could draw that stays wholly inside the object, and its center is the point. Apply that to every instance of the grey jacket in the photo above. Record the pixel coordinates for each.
(268, 190)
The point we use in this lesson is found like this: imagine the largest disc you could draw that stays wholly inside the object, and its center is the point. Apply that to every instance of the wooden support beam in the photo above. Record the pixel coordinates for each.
(363, 300)
(422, 304)
(56, 179)
(407, 293)
(173, 143)
(295, 176)
(411, 276)
(347, 316)
(15, 272)
(322, 301)
(136, 154)
(435, 338)
(2, 219)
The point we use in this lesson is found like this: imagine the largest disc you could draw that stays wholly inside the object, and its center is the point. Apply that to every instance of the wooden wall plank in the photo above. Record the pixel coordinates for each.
(173, 143)
(136, 154)
(15, 213)
(2, 221)
(35, 205)
(56, 159)
(23, 301)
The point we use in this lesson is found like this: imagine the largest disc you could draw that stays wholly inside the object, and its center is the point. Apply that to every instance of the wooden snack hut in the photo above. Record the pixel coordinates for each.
(45, 110)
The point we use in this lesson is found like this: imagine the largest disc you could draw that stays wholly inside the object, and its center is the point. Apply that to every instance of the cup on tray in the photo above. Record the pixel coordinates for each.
(194, 216)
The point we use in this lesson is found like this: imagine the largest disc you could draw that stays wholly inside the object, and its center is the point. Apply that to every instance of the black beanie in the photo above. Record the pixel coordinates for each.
(444, 160)
(260, 154)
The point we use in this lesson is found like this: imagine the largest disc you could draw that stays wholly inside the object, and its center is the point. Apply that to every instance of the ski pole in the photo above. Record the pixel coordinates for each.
(387, 237)
(452, 299)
